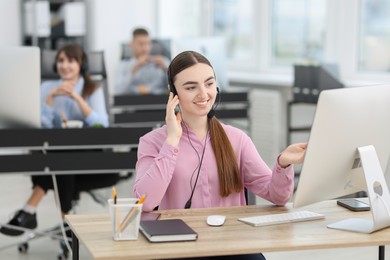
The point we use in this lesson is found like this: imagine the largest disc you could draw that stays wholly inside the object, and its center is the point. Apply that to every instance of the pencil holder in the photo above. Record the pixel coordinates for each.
(125, 217)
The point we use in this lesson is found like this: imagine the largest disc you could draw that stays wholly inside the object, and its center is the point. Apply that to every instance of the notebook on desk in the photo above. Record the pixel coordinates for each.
(167, 230)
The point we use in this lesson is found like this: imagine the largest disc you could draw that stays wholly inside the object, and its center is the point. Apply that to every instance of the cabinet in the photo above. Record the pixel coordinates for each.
(51, 24)
(309, 81)
(300, 116)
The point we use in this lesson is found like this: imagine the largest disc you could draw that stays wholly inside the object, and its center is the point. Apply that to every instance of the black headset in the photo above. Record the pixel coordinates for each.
(83, 65)
(172, 89)
(170, 82)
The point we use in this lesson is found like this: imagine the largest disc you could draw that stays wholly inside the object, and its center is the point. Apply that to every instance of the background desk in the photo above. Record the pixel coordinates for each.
(150, 110)
(234, 237)
(94, 150)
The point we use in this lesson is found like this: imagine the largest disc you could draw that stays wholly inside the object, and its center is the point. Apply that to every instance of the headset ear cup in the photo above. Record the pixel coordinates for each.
(170, 82)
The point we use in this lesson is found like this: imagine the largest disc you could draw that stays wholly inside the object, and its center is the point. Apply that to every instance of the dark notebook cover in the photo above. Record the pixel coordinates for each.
(167, 230)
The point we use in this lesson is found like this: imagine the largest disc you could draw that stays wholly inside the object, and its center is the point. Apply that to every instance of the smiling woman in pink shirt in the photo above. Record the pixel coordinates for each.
(195, 161)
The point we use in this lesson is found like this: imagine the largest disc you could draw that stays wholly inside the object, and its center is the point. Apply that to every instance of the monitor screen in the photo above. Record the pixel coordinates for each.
(213, 48)
(345, 119)
(20, 87)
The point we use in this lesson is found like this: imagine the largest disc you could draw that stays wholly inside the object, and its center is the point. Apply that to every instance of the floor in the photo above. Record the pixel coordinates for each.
(16, 188)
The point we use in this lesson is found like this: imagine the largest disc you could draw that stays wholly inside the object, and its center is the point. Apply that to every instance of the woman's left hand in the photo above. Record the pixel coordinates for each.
(293, 154)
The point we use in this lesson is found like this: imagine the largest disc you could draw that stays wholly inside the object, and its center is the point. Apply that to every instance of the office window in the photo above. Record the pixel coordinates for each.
(374, 51)
(179, 18)
(233, 19)
(298, 31)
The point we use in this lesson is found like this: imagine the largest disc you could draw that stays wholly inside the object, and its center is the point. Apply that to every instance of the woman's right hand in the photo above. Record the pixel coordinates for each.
(65, 89)
(173, 121)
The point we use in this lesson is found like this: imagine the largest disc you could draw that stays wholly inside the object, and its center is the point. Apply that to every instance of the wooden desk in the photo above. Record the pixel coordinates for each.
(234, 237)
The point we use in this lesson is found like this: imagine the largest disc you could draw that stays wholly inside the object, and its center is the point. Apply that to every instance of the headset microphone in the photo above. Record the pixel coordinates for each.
(212, 112)
(188, 204)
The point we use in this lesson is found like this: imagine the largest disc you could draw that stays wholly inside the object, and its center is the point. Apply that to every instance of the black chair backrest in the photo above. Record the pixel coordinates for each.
(96, 64)
(47, 65)
(159, 47)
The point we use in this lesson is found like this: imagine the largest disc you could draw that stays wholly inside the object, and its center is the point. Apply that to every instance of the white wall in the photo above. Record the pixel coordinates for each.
(10, 23)
(110, 22)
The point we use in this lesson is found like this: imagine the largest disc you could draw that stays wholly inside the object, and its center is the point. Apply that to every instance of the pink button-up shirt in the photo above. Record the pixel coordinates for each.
(167, 174)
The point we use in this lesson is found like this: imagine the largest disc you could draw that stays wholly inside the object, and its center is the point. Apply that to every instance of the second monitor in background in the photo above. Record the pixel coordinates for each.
(213, 48)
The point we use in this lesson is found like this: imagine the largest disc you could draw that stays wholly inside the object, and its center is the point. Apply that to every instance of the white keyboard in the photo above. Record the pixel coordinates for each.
(281, 218)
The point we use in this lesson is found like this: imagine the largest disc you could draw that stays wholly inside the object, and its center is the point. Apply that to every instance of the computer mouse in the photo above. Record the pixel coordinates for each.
(215, 220)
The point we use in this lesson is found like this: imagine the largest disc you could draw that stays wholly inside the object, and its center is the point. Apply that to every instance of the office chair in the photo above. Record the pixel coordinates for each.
(47, 61)
(97, 70)
(159, 47)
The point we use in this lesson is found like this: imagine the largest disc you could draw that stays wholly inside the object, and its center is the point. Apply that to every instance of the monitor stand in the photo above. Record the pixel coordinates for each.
(378, 195)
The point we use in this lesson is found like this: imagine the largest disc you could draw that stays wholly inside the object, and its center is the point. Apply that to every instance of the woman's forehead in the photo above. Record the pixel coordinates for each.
(198, 72)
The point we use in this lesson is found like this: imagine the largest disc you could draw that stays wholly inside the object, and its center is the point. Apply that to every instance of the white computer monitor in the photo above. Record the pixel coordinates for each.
(213, 48)
(19, 87)
(345, 120)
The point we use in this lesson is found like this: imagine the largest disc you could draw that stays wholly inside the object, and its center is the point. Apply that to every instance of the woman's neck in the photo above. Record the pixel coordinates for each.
(72, 81)
(199, 126)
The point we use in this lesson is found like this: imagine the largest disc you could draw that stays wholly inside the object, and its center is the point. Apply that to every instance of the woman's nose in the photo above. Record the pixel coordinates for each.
(202, 92)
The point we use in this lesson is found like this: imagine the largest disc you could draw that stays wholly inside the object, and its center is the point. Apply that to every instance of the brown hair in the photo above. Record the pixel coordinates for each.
(75, 52)
(228, 171)
(140, 31)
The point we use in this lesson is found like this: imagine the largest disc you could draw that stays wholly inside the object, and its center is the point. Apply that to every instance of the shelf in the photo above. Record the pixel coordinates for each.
(54, 23)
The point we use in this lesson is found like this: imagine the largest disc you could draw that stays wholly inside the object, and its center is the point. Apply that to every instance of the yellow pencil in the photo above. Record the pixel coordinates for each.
(117, 221)
(126, 221)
